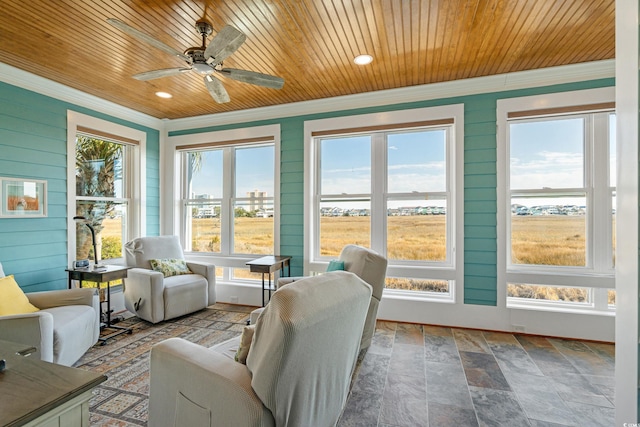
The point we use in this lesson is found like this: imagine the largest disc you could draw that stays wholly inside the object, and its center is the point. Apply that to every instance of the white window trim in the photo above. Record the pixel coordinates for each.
(173, 162)
(590, 279)
(454, 111)
(137, 211)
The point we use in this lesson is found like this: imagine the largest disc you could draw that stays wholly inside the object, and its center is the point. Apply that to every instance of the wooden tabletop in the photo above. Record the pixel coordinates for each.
(268, 264)
(106, 273)
(30, 387)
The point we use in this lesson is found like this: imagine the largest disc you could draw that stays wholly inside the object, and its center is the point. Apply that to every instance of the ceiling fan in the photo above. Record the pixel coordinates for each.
(204, 60)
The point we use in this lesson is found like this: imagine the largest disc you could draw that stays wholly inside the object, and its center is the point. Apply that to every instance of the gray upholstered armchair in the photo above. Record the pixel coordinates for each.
(370, 267)
(154, 297)
(298, 368)
(67, 325)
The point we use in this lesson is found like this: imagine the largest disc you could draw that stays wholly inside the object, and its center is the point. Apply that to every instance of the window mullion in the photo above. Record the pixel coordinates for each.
(317, 198)
(600, 298)
(601, 194)
(186, 196)
(226, 221)
(378, 192)
(451, 207)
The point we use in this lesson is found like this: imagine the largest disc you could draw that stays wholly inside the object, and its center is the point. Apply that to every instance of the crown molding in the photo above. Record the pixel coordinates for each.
(478, 85)
(25, 80)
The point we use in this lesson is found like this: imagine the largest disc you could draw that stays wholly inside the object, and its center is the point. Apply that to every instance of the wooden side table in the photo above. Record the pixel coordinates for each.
(107, 273)
(267, 265)
(37, 393)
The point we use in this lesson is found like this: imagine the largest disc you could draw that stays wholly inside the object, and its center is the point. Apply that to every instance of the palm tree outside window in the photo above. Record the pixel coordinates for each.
(102, 195)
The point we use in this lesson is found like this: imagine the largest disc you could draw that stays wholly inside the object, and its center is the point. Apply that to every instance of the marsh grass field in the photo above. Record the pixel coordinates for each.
(538, 240)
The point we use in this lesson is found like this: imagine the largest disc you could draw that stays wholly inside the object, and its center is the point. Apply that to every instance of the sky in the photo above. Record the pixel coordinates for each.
(550, 154)
(415, 162)
(254, 171)
(546, 153)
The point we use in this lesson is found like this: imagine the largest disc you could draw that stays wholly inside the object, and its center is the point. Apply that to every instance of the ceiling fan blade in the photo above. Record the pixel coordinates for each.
(216, 89)
(147, 39)
(253, 78)
(227, 41)
(156, 74)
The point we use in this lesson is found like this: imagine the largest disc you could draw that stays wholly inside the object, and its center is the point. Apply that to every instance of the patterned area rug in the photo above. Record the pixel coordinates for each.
(122, 400)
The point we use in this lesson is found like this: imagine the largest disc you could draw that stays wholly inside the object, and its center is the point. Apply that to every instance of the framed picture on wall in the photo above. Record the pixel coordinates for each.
(23, 198)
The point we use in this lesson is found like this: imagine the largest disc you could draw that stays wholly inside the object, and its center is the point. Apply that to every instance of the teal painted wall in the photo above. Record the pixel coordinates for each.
(33, 144)
(480, 232)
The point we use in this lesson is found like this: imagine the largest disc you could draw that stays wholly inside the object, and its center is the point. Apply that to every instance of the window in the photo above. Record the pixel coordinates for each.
(228, 210)
(108, 178)
(390, 185)
(560, 210)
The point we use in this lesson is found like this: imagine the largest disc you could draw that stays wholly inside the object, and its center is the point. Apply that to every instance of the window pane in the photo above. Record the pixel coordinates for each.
(108, 220)
(549, 293)
(548, 231)
(204, 174)
(99, 167)
(547, 154)
(417, 230)
(423, 285)
(345, 165)
(611, 297)
(417, 161)
(254, 171)
(203, 221)
(343, 223)
(253, 227)
(245, 274)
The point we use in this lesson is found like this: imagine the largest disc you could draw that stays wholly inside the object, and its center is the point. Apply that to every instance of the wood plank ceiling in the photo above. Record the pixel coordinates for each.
(310, 43)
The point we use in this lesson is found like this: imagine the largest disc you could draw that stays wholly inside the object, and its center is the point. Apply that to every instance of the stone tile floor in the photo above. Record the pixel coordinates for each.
(415, 375)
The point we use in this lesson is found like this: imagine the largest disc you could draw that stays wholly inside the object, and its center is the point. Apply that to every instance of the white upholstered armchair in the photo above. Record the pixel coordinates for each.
(367, 265)
(298, 367)
(65, 327)
(152, 296)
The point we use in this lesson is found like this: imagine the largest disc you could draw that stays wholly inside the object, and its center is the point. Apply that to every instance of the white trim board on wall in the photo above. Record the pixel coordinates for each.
(530, 103)
(489, 84)
(171, 166)
(627, 271)
(500, 82)
(455, 179)
(139, 186)
(43, 86)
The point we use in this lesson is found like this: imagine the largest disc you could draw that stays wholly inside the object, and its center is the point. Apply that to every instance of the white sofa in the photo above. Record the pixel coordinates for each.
(67, 325)
(298, 368)
(155, 298)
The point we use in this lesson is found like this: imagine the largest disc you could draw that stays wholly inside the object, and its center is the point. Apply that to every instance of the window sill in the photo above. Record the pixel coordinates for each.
(417, 296)
(585, 310)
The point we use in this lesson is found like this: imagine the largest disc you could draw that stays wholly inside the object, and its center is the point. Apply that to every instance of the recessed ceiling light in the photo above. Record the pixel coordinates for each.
(164, 95)
(363, 59)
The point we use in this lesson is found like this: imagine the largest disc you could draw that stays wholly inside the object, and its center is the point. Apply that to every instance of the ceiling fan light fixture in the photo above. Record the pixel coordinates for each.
(202, 68)
(164, 95)
(363, 59)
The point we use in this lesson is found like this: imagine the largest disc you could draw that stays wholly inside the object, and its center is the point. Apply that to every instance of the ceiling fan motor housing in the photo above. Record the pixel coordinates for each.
(204, 28)
(199, 64)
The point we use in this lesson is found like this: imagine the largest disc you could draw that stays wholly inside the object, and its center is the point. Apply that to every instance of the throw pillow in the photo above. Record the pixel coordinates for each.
(245, 344)
(12, 299)
(335, 265)
(170, 267)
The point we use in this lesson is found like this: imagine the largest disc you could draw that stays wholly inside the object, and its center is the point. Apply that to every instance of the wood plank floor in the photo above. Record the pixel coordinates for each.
(415, 375)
